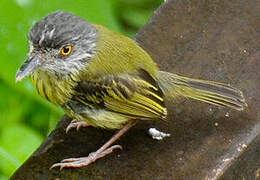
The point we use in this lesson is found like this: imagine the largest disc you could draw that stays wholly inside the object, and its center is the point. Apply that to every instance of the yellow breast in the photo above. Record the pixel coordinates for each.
(51, 87)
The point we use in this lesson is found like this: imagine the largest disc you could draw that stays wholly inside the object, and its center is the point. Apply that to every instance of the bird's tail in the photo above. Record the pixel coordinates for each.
(219, 94)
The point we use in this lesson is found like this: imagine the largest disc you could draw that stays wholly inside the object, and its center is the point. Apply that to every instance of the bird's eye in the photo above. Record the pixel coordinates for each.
(66, 50)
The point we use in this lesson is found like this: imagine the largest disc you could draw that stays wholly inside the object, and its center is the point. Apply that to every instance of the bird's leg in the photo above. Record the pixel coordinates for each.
(107, 148)
(76, 124)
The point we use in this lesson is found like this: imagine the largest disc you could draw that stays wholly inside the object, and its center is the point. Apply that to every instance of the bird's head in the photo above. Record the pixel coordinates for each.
(60, 43)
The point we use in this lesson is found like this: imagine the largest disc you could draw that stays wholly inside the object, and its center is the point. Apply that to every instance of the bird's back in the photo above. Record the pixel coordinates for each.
(118, 54)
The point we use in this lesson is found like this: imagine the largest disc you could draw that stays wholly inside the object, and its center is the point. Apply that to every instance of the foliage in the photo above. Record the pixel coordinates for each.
(25, 118)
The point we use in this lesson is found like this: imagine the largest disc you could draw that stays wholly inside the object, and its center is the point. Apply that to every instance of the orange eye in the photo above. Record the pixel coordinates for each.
(66, 50)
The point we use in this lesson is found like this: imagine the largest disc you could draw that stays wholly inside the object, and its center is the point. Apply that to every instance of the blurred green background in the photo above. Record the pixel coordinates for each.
(25, 118)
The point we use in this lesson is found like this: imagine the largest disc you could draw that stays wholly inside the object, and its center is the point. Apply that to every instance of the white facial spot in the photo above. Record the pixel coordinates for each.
(42, 38)
(51, 33)
(30, 47)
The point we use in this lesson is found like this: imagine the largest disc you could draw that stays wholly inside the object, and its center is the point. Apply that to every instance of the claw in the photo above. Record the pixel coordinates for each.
(112, 148)
(76, 124)
(84, 161)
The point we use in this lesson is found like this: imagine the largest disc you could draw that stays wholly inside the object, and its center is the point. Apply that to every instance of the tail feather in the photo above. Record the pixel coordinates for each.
(219, 94)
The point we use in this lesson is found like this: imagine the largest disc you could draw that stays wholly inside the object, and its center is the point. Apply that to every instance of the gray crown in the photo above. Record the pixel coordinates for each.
(60, 28)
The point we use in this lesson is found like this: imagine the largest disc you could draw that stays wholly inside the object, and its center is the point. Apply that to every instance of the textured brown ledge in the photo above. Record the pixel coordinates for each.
(216, 40)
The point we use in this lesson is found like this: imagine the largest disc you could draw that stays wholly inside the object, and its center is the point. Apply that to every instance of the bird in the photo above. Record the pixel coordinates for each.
(103, 79)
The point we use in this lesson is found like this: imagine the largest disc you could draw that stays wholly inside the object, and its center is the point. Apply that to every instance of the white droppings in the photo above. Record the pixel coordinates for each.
(216, 124)
(227, 114)
(158, 135)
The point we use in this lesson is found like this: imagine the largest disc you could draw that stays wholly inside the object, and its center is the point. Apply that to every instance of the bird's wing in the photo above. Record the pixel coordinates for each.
(132, 96)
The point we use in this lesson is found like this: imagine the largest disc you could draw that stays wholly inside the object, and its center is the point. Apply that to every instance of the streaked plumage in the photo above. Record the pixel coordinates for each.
(107, 80)
(107, 94)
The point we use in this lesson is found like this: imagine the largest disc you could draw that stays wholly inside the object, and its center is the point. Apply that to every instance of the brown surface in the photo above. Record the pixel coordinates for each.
(215, 40)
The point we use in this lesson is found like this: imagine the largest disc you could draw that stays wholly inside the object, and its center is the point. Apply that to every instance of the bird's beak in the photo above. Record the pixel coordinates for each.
(27, 68)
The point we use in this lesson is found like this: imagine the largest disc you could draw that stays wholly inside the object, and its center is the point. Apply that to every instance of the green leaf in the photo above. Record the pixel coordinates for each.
(14, 29)
(8, 162)
(17, 143)
(2, 177)
(137, 17)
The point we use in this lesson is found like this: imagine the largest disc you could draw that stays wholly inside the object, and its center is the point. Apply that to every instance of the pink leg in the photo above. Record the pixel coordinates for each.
(107, 148)
(76, 124)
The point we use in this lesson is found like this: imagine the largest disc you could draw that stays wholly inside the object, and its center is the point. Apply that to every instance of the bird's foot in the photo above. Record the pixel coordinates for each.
(76, 124)
(84, 161)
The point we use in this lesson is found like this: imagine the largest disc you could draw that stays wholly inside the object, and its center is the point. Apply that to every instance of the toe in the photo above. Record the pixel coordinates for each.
(71, 160)
(56, 165)
(69, 127)
(116, 147)
(76, 124)
(72, 163)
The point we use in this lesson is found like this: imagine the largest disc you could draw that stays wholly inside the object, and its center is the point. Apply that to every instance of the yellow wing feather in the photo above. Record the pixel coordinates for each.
(129, 96)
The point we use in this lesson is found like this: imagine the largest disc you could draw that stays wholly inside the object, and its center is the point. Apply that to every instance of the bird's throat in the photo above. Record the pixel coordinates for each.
(51, 87)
